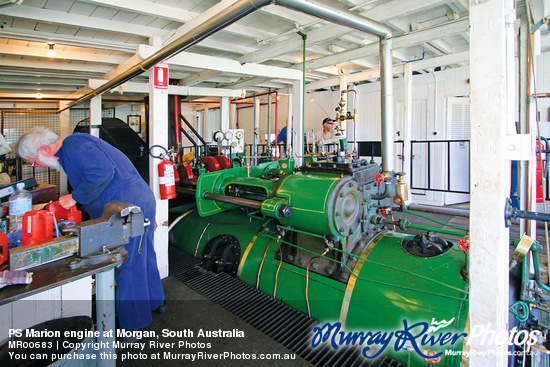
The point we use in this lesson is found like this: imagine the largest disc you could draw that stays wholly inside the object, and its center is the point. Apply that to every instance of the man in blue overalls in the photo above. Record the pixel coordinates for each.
(99, 174)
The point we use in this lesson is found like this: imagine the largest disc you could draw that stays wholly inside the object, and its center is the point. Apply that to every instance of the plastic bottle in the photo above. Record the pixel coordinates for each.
(19, 203)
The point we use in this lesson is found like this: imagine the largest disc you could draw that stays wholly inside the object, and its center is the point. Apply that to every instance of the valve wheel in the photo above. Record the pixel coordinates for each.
(464, 243)
(378, 178)
(431, 361)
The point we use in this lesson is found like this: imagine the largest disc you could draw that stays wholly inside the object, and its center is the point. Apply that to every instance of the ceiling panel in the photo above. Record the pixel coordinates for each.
(113, 29)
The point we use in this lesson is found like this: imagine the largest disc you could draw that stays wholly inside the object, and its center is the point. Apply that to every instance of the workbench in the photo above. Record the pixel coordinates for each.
(55, 277)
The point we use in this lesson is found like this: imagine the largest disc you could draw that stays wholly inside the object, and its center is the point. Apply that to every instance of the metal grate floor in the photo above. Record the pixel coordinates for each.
(289, 327)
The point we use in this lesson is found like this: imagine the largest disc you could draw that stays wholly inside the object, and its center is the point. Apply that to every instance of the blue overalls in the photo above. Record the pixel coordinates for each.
(99, 174)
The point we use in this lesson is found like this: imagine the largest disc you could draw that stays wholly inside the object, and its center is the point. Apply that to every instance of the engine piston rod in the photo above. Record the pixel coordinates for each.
(247, 203)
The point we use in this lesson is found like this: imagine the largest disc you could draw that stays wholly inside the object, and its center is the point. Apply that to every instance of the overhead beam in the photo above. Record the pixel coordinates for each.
(40, 52)
(379, 13)
(223, 65)
(132, 87)
(405, 40)
(199, 77)
(81, 21)
(39, 36)
(398, 69)
(176, 14)
(54, 65)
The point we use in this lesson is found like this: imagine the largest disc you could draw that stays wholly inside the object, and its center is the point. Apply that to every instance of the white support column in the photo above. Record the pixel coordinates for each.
(490, 118)
(233, 119)
(256, 131)
(224, 113)
(344, 124)
(95, 115)
(297, 116)
(289, 129)
(407, 126)
(205, 132)
(64, 131)
(158, 135)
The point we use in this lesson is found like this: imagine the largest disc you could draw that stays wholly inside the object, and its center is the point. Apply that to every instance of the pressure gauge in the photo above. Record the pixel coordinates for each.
(239, 135)
(257, 131)
(218, 136)
(228, 135)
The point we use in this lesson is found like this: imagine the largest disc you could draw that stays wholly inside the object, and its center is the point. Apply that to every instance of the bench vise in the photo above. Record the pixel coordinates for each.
(93, 241)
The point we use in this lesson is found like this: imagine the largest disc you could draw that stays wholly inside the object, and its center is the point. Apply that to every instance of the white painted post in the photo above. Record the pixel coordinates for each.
(491, 97)
(407, 127)
(224, 113)
(233, 116)
(64, 131)
(297, 116)
(106, 316)
(95, 115)
(255, 129)
(290, 151)
(158, 135)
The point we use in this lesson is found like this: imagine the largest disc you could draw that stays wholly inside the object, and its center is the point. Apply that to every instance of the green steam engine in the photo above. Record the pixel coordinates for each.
(317, 239)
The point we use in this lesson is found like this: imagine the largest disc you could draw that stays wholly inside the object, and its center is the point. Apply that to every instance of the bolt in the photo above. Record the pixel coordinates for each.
(341, 195)
(341, 230)
(337, 214)
(290, 258)
(350, 184)
(314, 266)
(302, 262)
(329, 270)
(345, 276)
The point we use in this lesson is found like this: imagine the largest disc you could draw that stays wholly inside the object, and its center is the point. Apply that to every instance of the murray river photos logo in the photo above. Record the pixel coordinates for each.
(412, 337)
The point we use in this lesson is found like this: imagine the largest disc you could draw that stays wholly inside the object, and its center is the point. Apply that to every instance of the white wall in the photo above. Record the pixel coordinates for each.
(430, 90)
(245, 118)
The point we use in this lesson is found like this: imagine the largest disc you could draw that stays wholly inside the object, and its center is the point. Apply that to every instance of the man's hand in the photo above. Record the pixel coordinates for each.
(67, 201)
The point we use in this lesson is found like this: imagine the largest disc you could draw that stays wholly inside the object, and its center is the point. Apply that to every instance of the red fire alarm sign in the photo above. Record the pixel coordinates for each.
(161, 77)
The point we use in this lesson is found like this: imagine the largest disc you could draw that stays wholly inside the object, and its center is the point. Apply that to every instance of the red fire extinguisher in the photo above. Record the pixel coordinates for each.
(167, 179)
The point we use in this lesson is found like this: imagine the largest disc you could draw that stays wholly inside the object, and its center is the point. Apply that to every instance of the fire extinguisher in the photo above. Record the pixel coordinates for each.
(167, 175)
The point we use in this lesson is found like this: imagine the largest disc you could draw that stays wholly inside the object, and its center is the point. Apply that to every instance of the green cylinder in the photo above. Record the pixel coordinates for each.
(322, 203)
(344, 144)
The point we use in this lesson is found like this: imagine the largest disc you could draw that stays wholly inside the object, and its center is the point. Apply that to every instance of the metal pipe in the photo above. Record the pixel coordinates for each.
(277, 124)
(346, 18)
(447, 211)
(195, 132)
(219, 21)
(338, 15)
(315, 8)
(247, 203)
(189, 138)
(186, 191)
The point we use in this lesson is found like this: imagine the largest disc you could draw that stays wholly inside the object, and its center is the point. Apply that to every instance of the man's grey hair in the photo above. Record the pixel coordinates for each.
(28, 145)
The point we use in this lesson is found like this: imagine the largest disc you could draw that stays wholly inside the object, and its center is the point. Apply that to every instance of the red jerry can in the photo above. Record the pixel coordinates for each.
(37, 227)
